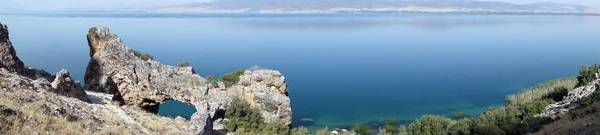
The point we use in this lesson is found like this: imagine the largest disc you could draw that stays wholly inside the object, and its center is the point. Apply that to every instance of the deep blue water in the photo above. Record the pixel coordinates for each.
(341, 69)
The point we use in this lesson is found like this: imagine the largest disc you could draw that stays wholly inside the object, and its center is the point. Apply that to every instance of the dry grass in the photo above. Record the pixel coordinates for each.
(31, 120)
(541, 91)
(576, 122)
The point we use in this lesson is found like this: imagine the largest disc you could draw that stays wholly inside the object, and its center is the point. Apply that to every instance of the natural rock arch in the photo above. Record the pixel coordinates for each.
(115, 69)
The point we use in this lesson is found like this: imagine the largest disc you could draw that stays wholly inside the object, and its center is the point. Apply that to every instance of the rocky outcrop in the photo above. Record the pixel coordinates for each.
(66, 85)
(8, 55)
(13, 71)
(267, 90)
(571, 101)
(114, 68)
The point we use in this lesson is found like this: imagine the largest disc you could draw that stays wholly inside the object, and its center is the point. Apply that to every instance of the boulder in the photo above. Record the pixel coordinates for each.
(66, 85)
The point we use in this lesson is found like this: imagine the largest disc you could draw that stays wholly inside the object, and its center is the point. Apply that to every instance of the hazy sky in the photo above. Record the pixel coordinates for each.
(70, 4)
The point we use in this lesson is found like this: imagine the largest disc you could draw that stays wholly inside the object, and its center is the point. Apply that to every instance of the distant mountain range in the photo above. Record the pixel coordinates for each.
(335, 6)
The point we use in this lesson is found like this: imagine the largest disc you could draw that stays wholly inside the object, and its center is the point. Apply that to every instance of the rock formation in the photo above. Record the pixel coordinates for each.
(114, 68)
(267, 90)
(19, 76)
(114, 74)
(66, 85)
(571, 101)
(8, 55)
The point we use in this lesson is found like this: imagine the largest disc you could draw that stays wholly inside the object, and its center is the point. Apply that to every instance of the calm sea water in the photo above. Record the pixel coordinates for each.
(342, 69)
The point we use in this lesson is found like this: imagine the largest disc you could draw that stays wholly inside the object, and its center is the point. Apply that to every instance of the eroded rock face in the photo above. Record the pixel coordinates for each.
(14, 74)
(114, 68)
(8, 55)
(267, 90)
(571, 101)
(66, 85)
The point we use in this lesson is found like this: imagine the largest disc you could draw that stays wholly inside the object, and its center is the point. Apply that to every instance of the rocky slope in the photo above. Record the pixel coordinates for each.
(117, 83)
(570, 101)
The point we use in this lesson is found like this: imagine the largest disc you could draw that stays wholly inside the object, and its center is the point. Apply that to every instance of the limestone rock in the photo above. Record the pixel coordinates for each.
(571, 101)
(267, 90)
(201, 122)
(114, 68)
(12, 63)
(66, 85)
(8, 55)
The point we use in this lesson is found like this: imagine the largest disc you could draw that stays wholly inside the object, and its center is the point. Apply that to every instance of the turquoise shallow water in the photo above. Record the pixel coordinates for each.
(342, 69)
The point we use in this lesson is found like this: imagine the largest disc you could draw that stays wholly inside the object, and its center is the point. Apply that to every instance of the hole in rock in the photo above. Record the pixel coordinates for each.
(172, 108)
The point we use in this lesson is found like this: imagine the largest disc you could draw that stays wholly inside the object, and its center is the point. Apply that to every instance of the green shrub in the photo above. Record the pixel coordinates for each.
(391, 129)
(430, 125)
(586, 75)
(362, 129)
(183, 64)
(232, 78)
(459, 115)
(241, 115)
(548, 89)
(506, 119)
(211, 80)
(402, 130)
(534, 107)
(137, 53)
(244, 119)
(300, 131)
(324, 131)
(462, 127)
(276, 127)
(142, 56)
(487, 129)
(146, 57)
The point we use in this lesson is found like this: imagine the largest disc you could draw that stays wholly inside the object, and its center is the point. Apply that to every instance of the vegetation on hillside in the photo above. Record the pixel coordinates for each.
(184, 64)
(232, 78)
(143, 56)
(577, 122)
(586, 75)
(243, 119)
(515, 119)
(550, 89)
(211, 80)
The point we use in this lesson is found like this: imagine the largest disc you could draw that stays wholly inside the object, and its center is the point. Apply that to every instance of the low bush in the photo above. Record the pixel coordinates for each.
(232, 78)
(300, 131)
(534, 107)
(391, 129)
(211, 80)
(430, 125)
(183, 64)
(462, 127)
(244, 119)
(362, 129)
(146, 57)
